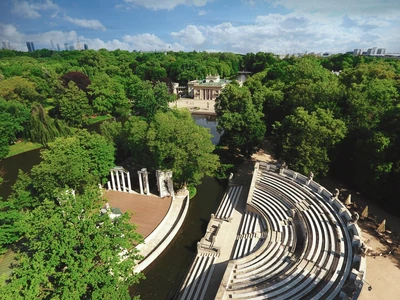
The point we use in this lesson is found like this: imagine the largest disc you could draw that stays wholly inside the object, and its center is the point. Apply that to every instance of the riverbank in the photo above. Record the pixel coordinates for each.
(21, 147)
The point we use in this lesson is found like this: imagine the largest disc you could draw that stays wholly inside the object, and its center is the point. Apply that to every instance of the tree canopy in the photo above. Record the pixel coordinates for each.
(304, 139)
(73, 162)
(72, 251)
(240, 118)
(171, 140)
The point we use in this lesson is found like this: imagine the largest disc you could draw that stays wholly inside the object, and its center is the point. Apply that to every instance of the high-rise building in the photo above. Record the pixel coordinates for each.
(371, 51)
(357, 52)
(66, 46)
(58, 47)
(381, 51)
(71, 48)
(6, 45)
(85, 46)
(30, 46)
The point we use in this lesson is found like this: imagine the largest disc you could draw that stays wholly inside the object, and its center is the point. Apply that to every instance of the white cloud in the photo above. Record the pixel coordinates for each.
(142, 42)
(31, 10)
(297, 32)
(92, 24)
(191, 36)
(165, 4)
(150, 42)
(364, 7)
(202, 12)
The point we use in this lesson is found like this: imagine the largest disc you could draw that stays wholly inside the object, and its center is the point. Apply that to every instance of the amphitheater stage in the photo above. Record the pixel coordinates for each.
(148, 211)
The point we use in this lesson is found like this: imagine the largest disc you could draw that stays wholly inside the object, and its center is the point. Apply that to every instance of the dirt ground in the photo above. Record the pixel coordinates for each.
(383, 256)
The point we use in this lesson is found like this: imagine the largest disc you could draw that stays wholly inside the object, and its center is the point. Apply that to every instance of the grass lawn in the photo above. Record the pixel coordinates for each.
(23, 147)
(98, 119)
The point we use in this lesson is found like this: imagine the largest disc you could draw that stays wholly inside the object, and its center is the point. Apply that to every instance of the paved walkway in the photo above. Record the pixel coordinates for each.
(225, 241)
(205, 107)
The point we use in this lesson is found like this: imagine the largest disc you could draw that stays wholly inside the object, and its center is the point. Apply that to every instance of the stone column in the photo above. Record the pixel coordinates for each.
(118, 183)
(108, 185)
(128, 178)
(140, 182)
(147, 183)
(123, 181)
(112, 179)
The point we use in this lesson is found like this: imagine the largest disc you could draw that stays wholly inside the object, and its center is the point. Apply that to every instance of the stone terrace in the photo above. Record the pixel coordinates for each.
(149, 211)
(293, 240)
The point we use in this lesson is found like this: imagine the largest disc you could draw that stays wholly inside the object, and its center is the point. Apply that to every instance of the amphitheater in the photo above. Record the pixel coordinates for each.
(282, 237)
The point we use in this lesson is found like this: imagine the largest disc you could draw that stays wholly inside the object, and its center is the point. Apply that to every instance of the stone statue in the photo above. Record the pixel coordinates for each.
(356, 216)
(382, 227)
(282, 167)
(348, 200)
(364, 214)
(310, 176)
(336, 193)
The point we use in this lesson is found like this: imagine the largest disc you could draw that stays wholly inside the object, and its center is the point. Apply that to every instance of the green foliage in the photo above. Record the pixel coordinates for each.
(192, 191)
(148, 99)
(71, 251)
(73, 162)
(43, 129)
(240, 119)
(108, 96)
(178, 144)
(11, 211)
(74, 106)
(19, 89)
(224, 171)
(304, 139)
(171, 140)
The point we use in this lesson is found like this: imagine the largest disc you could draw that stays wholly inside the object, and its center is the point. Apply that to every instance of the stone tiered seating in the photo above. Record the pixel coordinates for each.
(309, 258)
(200, 275)
(250, 235)
(229, 202)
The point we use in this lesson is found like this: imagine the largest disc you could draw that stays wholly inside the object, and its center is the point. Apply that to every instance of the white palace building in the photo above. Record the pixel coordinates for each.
(208, 88)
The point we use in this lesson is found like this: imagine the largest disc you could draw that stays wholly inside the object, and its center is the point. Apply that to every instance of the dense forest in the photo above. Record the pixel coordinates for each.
(345, 122)
(337, 115)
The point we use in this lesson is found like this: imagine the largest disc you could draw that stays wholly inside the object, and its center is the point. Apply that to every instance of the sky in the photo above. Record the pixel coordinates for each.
(239, 26)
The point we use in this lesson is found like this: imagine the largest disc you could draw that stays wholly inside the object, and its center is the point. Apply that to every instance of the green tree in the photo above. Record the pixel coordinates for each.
(240, 120)
(71, 251)
(73, 162)
(43, 129)
(14, 116)
(108, 96)
(176, 142)
(171, 140)
(19, 89)
(304, 139)
(148, 99)
(74, 106)
(21, 200)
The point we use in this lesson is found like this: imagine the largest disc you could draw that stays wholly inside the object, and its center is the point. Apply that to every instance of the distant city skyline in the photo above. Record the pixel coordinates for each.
(277, 26)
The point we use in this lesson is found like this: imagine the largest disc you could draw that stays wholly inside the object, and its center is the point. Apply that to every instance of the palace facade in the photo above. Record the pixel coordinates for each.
(208, 88)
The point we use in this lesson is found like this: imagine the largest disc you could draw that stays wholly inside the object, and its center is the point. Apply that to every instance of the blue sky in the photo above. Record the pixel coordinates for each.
(241, 26)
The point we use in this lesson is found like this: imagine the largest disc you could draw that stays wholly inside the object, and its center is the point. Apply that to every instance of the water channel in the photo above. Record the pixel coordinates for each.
(166, 274)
